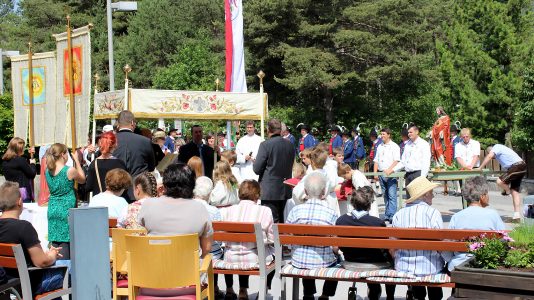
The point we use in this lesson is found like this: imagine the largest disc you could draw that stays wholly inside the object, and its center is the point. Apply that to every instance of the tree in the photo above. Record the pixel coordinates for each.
(194, 67)
(523, 133)
(158, 30)
(482, 54)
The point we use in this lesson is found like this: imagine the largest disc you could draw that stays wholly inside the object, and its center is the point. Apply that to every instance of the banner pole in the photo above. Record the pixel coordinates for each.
(127, 69)
(262, 125)
(30, 97)
(71, 88)
(93, 137)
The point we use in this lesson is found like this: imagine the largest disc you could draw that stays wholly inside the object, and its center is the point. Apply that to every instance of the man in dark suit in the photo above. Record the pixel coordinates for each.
(134, 149)
(273, 164)
(197, 148)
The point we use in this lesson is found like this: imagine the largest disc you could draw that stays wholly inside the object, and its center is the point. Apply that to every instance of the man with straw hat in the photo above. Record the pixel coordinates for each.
(418, 213)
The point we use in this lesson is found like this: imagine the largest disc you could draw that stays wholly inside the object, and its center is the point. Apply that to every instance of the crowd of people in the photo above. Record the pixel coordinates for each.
(281, 179)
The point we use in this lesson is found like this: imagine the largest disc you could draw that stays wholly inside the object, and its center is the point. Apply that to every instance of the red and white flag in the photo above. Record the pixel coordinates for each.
(235, 55)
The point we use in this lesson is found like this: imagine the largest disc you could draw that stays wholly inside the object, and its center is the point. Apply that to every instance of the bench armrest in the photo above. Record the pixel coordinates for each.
(50, 267)
(206, 263)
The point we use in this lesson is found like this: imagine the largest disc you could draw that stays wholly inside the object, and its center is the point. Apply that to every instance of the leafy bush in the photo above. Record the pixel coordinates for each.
(512, 251)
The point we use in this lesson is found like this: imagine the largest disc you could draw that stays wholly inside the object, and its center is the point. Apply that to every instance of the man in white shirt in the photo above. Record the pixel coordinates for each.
(416, 156)
(467, 152)
(386, 159)
(246, 150)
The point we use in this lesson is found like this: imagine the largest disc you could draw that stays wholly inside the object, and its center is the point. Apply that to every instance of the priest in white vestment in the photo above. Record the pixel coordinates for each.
(246, 150)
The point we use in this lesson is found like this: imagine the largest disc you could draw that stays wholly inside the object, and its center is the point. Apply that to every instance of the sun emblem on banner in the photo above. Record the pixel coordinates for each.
(77, 69)
(38, 84)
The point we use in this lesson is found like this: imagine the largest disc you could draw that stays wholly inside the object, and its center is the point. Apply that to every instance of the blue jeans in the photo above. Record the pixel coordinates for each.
(51, 280)
(389, 189)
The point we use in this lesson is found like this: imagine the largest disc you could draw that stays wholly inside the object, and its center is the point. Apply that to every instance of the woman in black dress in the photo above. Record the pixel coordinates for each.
(96, 175)
(18, 169)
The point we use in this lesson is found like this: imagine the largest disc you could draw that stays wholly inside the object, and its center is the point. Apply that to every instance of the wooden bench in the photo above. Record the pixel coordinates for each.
(12, 257)
(366, 237)
(243, 233)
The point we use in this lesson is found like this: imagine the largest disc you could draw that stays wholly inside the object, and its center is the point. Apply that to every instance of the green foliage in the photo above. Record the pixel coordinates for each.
(491, 253)
(523, 235)
(523, 134)
(194, 67)
(159, 28)
(518, 258)
(6, 121)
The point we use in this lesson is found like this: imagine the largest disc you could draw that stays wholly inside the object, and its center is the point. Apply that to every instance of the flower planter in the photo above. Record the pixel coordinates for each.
(478, 283)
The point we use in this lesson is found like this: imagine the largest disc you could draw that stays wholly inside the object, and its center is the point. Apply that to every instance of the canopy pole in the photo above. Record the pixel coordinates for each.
(127, 69)
(262, 125)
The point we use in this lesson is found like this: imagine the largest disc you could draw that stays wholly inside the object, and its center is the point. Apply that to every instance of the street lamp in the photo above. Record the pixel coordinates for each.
(6, 54)
(125, 6)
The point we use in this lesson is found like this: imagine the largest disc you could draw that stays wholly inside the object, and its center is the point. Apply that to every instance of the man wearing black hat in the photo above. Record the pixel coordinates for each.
(349, 154)
(335, 140)
(169, 140)
(307, 140)
(359, 149)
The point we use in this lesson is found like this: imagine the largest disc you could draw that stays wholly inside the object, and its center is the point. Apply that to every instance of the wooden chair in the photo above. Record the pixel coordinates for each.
(118, 258)
(241, 233)
(12, 256)
(161, 266)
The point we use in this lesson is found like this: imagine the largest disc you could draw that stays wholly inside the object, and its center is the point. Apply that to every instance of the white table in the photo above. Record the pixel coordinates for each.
(37, 215)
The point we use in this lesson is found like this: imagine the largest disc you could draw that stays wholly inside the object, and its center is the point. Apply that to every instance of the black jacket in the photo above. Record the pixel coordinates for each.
(191, 149)
(135, 151)
(274, 164)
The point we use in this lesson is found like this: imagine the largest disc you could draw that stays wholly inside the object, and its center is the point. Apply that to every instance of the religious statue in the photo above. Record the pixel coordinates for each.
(441, 142)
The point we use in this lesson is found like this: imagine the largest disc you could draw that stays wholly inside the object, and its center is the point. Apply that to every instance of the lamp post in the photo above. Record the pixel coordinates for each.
(6, 54)
(125, 6)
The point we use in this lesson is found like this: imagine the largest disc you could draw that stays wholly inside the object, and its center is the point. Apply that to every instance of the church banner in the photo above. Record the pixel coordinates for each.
(188, 105)
(45, 106)
(81, 62)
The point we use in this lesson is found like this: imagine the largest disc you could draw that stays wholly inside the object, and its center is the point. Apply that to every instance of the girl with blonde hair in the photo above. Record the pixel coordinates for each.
(225, 191)
(195, 163)
(60, 179)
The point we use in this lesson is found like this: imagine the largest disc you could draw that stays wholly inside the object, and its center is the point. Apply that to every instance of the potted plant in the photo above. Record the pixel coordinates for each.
(502, 265)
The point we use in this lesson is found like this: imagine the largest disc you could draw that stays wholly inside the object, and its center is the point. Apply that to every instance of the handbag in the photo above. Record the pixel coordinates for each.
(98, 176)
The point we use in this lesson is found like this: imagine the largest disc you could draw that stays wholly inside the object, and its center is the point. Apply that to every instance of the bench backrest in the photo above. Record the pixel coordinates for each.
(235, 232)
(375, 237)
(242, 233)
(7, 256)
(112, 223)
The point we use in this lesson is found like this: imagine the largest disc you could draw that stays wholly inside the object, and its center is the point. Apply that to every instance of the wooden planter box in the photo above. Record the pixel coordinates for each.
(477, 283)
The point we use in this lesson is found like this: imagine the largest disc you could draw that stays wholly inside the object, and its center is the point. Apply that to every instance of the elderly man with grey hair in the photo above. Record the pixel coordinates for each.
(476, 216)
(314, 211)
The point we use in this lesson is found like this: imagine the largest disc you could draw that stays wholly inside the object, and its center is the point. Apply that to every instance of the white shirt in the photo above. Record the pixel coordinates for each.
(468, 151)
(416, 156)
(246, 145)
(386, 154)
(116, 205)
(299, 194)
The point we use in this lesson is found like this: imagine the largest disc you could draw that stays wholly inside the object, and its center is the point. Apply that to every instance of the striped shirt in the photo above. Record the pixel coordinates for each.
(249, 211)
(312, 212)
(418, 214)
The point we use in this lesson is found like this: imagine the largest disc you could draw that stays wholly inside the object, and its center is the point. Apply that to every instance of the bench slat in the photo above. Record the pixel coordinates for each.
(373, 243)
(381, 232)
(6, 250)
(233, 227)
(8, 262)
(234, 237)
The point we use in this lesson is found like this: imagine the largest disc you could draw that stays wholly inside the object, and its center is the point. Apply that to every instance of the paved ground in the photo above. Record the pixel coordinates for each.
(447, 205)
